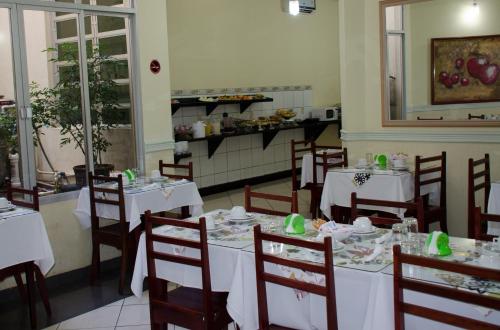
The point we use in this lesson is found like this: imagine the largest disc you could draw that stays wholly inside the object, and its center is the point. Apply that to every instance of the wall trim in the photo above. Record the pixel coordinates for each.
(466, 106)
(159, 146)
(423, 136)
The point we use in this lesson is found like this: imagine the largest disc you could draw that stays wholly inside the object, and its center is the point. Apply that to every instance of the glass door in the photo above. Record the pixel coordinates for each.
(12, 110)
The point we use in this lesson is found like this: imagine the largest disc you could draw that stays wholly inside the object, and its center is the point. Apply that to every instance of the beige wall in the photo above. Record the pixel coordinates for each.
(360, 81)
(443, 19)
(241, 43)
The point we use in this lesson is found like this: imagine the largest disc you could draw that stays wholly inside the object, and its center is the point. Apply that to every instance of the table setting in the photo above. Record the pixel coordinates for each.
(307, 166)
(494, 208)
(374, 177)
(18, 222)
(156, 193)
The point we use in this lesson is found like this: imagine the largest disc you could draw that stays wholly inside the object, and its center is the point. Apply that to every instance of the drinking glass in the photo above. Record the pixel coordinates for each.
(369, 158)
(399, 235)
(411, 225)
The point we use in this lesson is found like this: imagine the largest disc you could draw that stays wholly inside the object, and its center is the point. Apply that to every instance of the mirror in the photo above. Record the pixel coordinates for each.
(440, 62)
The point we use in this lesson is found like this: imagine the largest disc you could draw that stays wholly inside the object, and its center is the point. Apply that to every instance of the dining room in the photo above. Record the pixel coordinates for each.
(285, 164)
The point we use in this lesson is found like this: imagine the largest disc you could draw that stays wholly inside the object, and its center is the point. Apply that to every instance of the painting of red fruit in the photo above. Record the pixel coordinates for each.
(465, 69)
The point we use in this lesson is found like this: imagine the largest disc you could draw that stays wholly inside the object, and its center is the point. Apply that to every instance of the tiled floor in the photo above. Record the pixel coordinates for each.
(132, 313)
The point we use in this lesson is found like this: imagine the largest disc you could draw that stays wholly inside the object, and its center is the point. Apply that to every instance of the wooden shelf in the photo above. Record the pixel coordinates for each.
(312, 130)
(211, 106)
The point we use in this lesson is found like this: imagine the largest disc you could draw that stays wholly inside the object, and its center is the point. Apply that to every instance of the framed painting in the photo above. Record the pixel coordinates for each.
(465, 70)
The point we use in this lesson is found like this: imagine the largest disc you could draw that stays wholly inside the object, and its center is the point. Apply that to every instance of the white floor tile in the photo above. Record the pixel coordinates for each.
(133, 300)
(134, 315)
(99, 318)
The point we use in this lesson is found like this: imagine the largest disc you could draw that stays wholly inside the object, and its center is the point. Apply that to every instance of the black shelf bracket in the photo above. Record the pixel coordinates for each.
(312, 132)
(178, 157)
(210, 108)
(245, 105)
(267, 137)
(175, 107)
(214, 143)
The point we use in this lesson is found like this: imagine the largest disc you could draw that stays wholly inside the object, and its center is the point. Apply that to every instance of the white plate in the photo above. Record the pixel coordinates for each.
(401, 168)
(374, 229)
(338, 246)
(7, 208)
(249, 217)
(216, 228)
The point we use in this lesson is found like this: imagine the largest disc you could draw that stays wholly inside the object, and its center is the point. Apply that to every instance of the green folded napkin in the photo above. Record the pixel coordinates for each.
(437, 244)
(294, 224)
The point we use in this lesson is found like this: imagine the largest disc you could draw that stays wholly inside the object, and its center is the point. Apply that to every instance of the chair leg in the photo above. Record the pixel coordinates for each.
(123, 268)
(30, 283)
(42, 288)
(21, 287)
(96, 262)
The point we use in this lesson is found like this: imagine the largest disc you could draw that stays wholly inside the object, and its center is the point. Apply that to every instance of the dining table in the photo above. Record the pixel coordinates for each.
(307, 172)
(494, 208)
(362, 268)
(382, 184)
(144, 194)
(24, 241)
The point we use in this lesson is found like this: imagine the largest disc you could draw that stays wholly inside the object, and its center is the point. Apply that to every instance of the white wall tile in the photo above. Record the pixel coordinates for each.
(257, 158)
(233, 160)
(267, 105)
(245, 142)
(278, 100)
(268, 155)
(198, 182)
(308, 98)
(207, 181)
(177, 121)
(222, 147)
(220, 178)
(207, 166)
(298, 99)
(202, 148)
(268, 168)
(220, 163)
(288, 99)
(246, 158)
(233, 143)
(279, 153)
(234, 176)
(246, 173)
(256, 141)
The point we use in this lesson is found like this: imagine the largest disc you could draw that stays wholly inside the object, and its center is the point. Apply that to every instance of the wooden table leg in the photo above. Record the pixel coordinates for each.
(30, 284)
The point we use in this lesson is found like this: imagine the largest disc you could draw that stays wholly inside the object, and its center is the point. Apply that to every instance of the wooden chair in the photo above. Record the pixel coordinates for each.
(401, 307)
(481, 224)
(185, 307)
(249, 195)
(116, 235)
(189, 176)
(416, 207)
(325, 160)
(327, 291)
(478, 169)
(433, 213)
(299, 149)
(17, 196)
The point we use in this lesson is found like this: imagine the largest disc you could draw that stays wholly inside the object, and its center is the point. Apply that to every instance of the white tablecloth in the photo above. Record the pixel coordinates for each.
(494, 208)
(384, 185)
(364, 301)
(23, 238)
(137, 203)
(307, 169)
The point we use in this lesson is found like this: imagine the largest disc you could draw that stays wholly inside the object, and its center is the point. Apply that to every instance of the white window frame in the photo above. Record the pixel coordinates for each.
(27, 151)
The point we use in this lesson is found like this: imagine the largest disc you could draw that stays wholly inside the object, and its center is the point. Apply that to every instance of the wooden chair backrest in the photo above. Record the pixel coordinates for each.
(478, 169)
(416, 206)
(13, 195)
(105, 195)
(404, 283)
(481, 224)
(189, 168)
(158, 294)
(326, 269)
(324, 159)
(439, 163)
(299, 149)
(249, 195)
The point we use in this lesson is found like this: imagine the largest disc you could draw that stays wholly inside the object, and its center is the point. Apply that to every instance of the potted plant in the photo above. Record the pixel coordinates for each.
(60, 106)
(8, 140)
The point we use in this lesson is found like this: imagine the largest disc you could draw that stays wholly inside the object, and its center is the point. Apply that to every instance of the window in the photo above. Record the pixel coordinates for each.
(80, 119)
